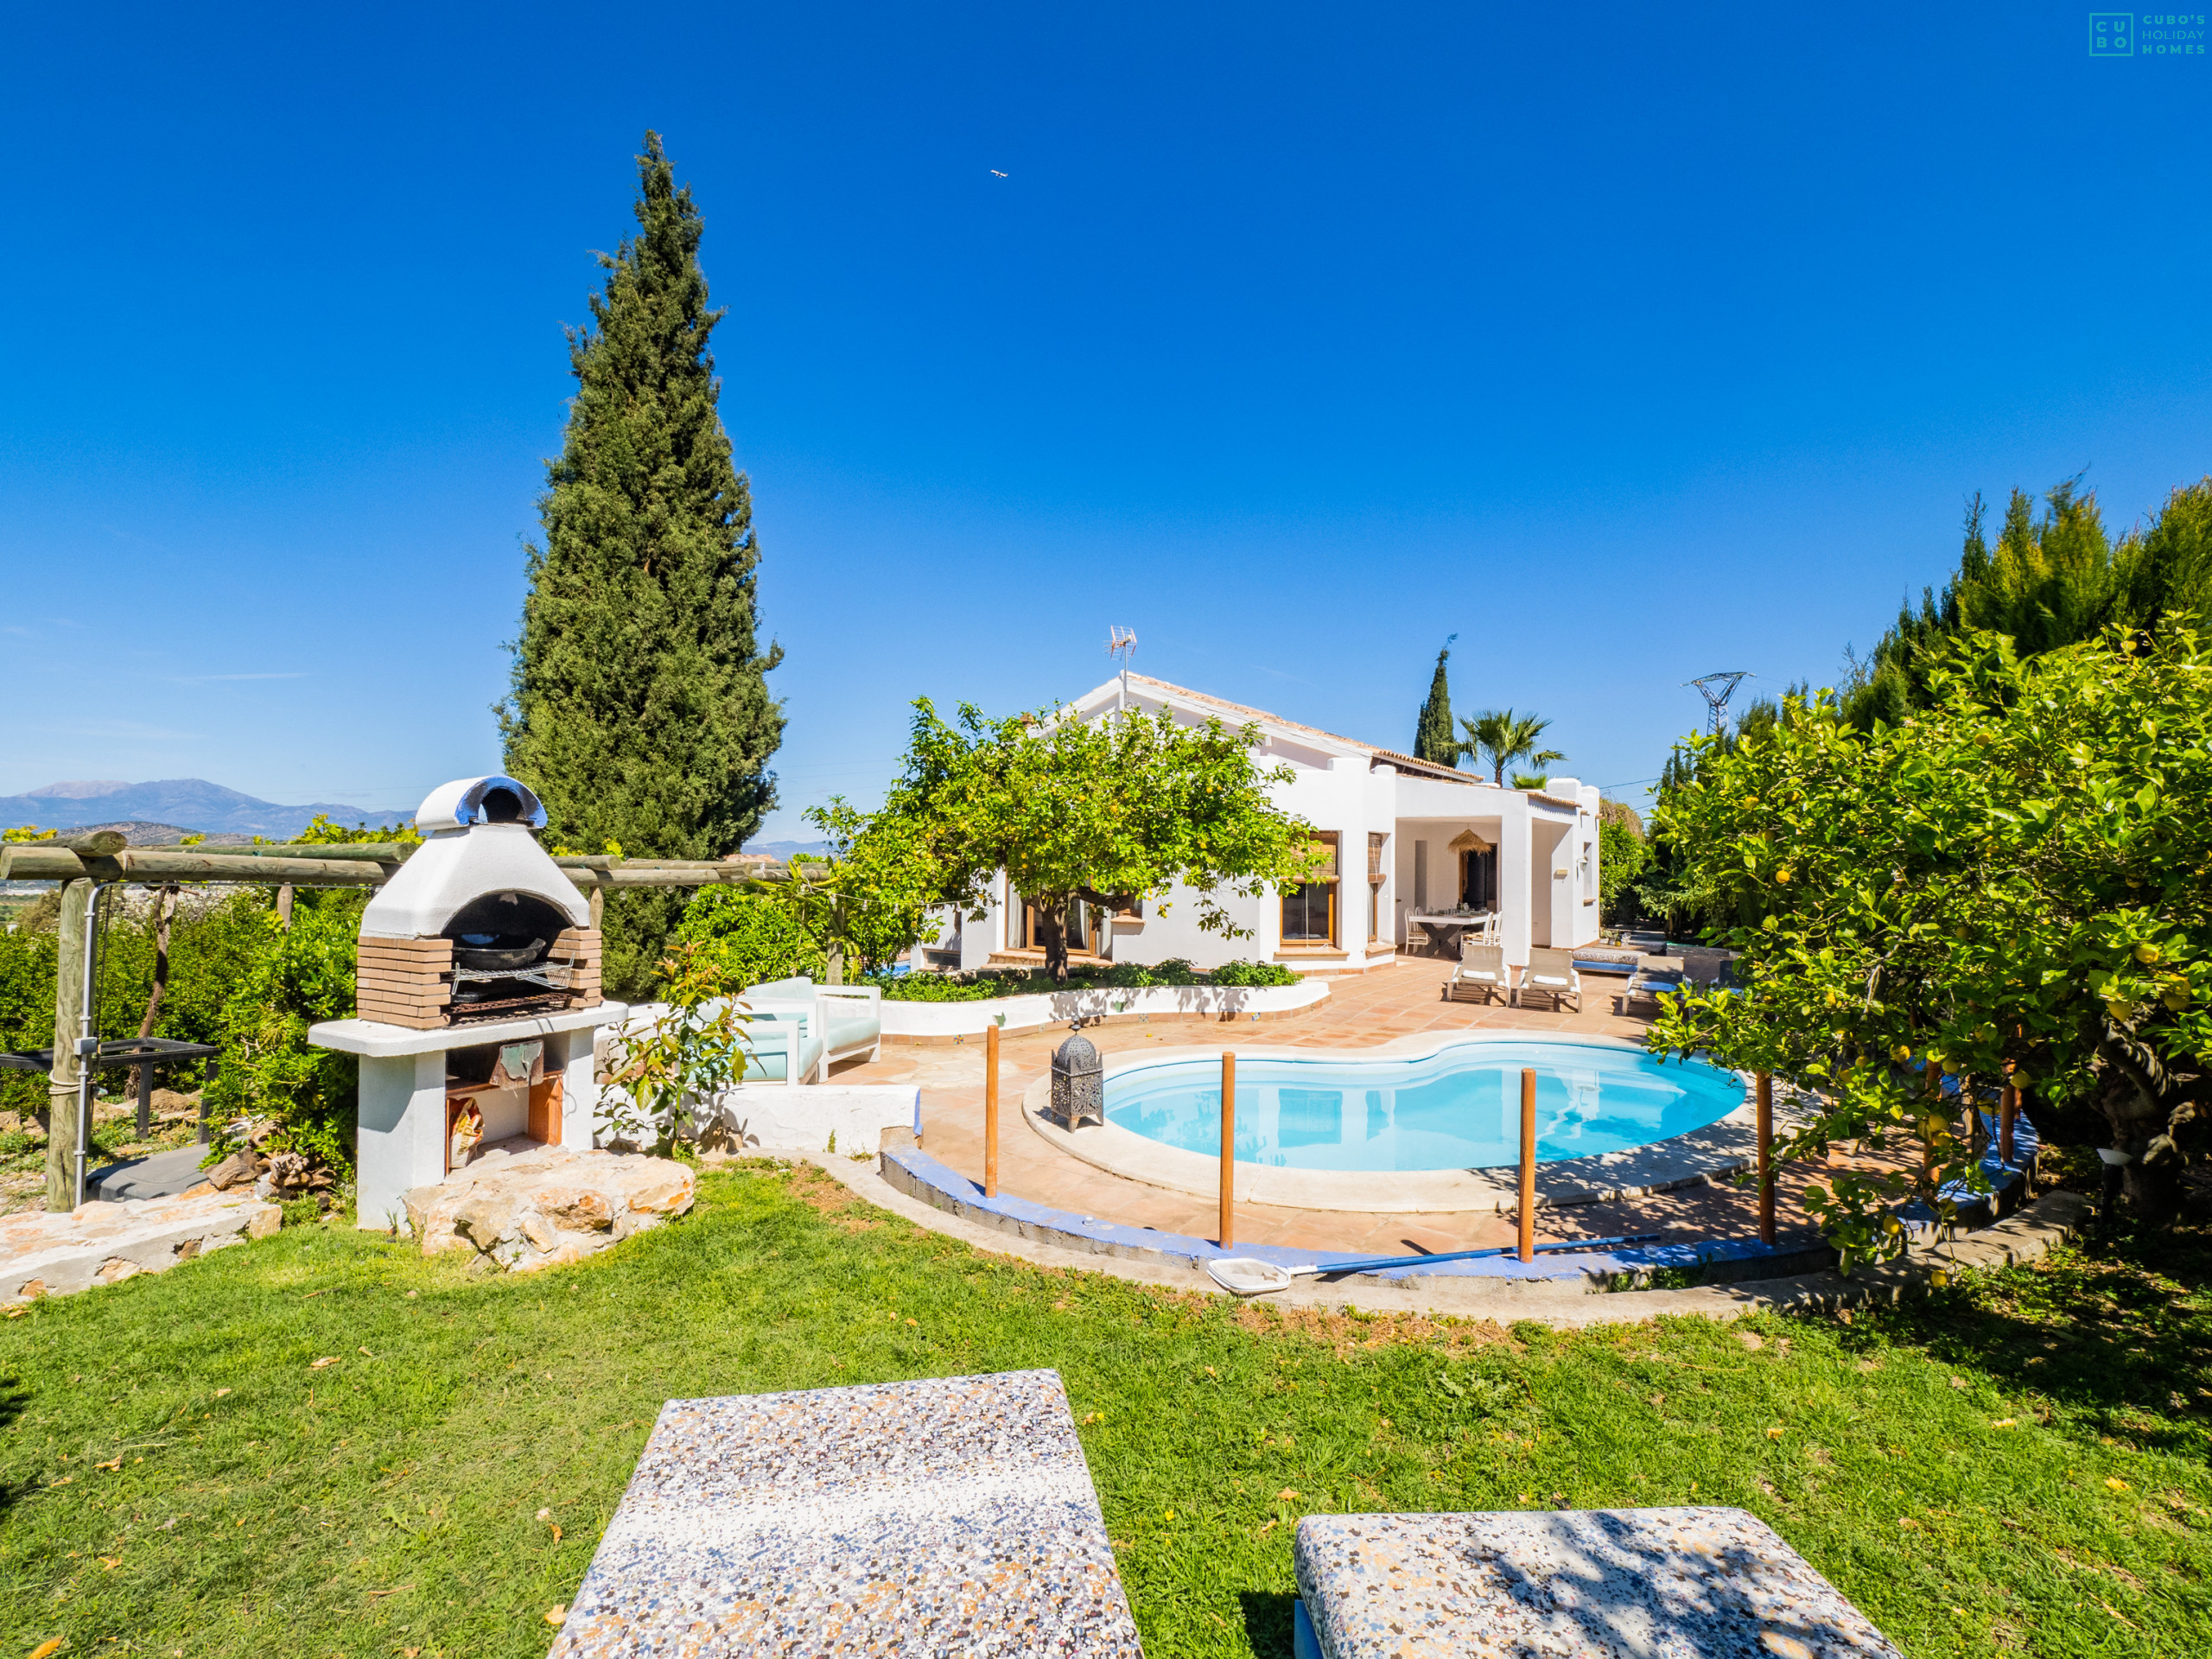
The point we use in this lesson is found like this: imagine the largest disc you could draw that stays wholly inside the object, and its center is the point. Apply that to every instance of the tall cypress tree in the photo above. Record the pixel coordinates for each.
(638, 711)
(1434, 739)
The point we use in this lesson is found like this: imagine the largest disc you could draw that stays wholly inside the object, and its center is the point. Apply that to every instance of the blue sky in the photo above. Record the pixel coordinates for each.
(1625, 343)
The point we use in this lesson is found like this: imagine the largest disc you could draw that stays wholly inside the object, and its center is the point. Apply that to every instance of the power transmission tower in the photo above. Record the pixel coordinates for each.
(1717, 688)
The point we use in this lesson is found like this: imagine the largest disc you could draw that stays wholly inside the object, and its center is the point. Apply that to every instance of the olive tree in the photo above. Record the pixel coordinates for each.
(1109, 812)
(2010, 880)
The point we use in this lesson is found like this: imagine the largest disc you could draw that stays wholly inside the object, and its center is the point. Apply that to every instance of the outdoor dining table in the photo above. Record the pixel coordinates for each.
(1445, 928)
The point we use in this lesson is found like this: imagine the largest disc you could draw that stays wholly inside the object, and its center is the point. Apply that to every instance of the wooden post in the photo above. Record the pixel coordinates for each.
(284, 906)
(1766, 1157)
(2008, 1107)
(75, 939)
(1228, 1148)
(1527, 1165)
(598, 902)
(991, 1111)
(145, 1098)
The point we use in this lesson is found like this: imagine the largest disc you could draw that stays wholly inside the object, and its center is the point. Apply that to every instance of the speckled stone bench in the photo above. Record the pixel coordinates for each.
(1571, 1584)
(954, 1515)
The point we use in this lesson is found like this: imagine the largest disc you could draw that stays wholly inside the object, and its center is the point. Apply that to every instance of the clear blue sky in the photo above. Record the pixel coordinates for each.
(1625, 343)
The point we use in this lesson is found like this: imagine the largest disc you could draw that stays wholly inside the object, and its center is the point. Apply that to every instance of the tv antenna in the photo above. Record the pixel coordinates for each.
(1122, 644)
(1717, 688)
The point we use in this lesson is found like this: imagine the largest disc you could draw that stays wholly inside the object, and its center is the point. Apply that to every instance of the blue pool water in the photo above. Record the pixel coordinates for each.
(1459, 1108)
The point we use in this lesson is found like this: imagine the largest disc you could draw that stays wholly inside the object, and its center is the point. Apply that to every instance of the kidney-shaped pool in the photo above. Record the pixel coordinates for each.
(1456, 1109)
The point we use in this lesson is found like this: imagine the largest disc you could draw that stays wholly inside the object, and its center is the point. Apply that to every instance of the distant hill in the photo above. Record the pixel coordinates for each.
(191, 803)
(784, 849)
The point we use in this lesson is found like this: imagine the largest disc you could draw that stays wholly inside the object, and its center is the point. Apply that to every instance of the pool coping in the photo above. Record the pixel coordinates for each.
(1723, 1147)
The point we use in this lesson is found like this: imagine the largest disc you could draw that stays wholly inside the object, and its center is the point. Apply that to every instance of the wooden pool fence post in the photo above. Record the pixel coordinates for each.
(2008, 1107)
(1766, 1156)
(991, 1111)
(1527, 1164)
(1228, 1147)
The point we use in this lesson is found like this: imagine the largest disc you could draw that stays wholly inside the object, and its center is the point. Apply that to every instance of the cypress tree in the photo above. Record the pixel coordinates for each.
(639, 710)
(1434, 739)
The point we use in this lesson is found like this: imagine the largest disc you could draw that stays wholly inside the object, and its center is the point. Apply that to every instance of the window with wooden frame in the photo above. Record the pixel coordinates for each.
(1309, 910)
(1375, 842)
(1023, 933)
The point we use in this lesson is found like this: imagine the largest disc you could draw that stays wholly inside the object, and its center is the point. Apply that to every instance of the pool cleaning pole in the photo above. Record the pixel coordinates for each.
(1766, 1157)
(1527, 1165)
(991, 1111)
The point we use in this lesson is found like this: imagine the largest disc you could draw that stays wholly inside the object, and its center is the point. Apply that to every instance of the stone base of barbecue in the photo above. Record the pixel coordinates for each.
(43, 1255)
(405, 1135)
(521, 1205)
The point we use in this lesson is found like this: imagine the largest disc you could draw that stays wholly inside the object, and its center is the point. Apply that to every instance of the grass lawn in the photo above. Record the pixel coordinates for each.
(2016, 1465)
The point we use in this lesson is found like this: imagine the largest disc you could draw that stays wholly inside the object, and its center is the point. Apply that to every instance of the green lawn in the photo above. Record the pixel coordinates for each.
(178, 1477)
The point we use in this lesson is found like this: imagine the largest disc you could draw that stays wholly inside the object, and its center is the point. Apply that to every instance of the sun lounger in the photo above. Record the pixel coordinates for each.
(1480, 973)
(1550, 972)
(1660, 1582)
(952, 1515)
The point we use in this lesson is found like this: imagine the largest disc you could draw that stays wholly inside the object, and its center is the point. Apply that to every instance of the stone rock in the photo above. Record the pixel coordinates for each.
(236, 1170)
(105, 1242)
(521, 1206)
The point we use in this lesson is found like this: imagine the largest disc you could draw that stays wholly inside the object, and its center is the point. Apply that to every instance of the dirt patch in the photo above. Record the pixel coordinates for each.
(831, 1200)
(1347, 1333)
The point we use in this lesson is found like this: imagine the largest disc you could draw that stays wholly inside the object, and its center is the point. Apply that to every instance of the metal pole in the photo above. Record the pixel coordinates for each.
(88, 1041)
(1766, 1157)
(1228, 1148)
(1527, 1165)
(991, 1111)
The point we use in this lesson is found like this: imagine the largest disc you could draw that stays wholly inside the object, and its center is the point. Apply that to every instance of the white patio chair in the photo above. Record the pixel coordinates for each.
(1481, 970)
(1551, 973)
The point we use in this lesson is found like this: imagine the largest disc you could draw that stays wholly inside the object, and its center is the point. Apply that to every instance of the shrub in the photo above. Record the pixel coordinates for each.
(293, 980)
(748, 937)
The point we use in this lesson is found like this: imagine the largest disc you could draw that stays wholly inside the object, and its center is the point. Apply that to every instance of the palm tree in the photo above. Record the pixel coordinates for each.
(1501, 737)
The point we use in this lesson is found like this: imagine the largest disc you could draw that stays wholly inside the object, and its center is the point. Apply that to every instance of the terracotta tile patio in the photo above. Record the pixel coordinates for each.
(1362, 1011)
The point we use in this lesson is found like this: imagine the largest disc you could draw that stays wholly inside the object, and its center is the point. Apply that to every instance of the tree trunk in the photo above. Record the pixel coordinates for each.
(161, 963)
(2153, 1192)
(1051, 928)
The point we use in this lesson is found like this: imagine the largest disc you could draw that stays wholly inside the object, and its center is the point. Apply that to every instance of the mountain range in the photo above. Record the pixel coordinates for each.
(192, 803)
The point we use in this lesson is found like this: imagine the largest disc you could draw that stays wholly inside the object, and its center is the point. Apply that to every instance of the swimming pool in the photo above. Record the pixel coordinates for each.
(1459, 1107)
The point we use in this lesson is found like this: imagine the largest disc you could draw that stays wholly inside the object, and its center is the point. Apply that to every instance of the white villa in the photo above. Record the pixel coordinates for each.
(1410, 838)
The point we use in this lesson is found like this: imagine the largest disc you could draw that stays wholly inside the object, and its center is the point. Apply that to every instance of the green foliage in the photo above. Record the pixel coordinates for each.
(292, 980)
(749, 936)
(1432, 738)
(322, 832)
(2053, 579)
(1125, 976)
(639, 710)
(1623, 853)
(864, 903)
(2079, 1530)
(1112, 812)
(2012, 877)
(1498, 738)
(210, 951)
(696, 1047)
